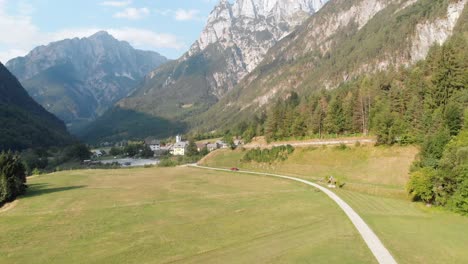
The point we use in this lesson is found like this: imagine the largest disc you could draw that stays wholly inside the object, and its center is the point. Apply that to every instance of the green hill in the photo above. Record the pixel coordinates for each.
(26, 124)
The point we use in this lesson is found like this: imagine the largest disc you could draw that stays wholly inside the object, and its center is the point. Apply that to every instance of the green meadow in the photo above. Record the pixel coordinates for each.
(374, 185)
(181, 215)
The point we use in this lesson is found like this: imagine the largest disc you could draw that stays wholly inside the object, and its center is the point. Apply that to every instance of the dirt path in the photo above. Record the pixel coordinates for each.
(380, 252)
(8, 206)
(313, 142)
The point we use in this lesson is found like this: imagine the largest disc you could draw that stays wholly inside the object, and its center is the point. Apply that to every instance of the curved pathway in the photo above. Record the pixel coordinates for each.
(380, 252)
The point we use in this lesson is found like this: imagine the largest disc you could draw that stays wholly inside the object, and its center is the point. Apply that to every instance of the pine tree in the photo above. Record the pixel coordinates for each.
(335, 121)
(448, 77)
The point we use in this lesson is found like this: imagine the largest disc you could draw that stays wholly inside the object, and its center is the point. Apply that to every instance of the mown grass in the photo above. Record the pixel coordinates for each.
(374, 170)
(375, 178)
(175, 215)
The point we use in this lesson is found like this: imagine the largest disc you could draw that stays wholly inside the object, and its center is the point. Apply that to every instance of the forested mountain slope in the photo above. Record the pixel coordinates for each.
(24, 123)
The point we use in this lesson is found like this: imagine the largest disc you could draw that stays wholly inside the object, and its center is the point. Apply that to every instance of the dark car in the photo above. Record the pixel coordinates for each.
(234, 169)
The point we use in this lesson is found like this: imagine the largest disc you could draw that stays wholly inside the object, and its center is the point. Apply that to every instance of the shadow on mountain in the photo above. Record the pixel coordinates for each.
(42, 189)
(121, 124)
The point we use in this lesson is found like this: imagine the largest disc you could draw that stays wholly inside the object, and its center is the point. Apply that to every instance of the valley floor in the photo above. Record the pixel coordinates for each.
(181, 215)
(189, 215)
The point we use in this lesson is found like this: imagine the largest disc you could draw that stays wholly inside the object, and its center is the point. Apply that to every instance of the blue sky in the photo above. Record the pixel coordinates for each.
(166, 26)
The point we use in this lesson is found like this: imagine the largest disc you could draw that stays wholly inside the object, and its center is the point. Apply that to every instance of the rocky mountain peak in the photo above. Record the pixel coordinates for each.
(78, 79)
(246, 30)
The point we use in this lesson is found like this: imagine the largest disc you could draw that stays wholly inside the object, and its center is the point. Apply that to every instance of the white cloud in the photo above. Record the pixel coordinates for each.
(116, 3)
(6, 55)
(185, 15)
(143, 38)
(133, 13)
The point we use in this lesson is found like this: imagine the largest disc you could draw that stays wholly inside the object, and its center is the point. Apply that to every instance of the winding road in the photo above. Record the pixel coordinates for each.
(380, 252)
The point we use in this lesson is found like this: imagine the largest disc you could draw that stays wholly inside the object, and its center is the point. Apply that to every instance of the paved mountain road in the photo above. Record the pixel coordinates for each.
(380, 252)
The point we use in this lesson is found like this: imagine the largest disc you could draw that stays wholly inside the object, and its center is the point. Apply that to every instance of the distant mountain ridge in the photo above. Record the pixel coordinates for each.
(24, 123)
(233, 42)
(78, 79)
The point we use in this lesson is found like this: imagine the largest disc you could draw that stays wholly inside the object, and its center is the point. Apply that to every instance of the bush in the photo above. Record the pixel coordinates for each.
(280, 153)
(342, 146)
(459, 201)
(12, 177)
(114, 151)
(167, 163)
(421, 185)
(78, 152)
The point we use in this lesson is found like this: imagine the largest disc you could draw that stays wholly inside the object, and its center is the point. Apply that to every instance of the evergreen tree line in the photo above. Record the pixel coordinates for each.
(12, 177)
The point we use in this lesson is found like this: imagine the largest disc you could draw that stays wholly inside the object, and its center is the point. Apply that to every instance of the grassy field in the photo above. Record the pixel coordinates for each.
(175, 215)
(374, 170)
(375, 178)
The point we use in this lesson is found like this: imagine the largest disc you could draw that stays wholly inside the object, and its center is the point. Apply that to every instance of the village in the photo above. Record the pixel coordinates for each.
(151, 150)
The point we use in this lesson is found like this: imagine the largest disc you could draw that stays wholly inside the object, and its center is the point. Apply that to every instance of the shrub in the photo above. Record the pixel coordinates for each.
(342, 146)
(421, 185)
(167, 163)
(12, 177)
(280, 153)
(459, 201)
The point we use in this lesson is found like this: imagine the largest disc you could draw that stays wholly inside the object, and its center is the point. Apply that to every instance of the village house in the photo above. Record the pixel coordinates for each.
(153, 144)
(98, 153)
(201, 146)
(222, 144)
(212, 147)
(168, 148)
(180, 148)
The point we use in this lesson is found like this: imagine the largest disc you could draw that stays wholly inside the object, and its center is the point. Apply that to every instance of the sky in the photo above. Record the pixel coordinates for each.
(165, 26)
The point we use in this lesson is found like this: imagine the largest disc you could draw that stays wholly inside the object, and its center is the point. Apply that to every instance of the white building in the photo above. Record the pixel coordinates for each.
(179, 148)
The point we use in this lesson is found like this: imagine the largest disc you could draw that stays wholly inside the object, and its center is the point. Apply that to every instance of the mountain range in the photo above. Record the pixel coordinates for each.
(254, 52)
(234, 41)
(26, 124)
(250, 54)
(344, 40)
(79, 79)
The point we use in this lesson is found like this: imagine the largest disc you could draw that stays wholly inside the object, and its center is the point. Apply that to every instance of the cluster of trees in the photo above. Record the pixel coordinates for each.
(440, 175)
(133, 149)
(12, 177)
(41, 160)
(280, 153)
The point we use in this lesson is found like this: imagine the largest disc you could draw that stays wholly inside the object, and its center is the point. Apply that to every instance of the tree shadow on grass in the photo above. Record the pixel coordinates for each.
(42, 189)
